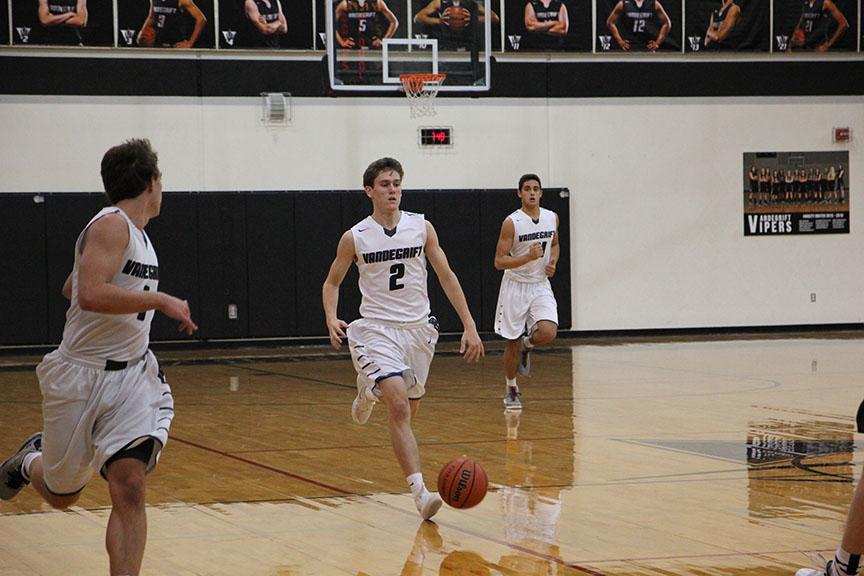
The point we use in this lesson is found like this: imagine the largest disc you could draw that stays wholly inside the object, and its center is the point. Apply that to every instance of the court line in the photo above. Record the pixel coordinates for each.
(343, 492)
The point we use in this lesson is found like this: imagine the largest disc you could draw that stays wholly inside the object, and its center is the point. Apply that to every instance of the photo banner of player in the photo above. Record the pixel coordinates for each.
(440, 19)
(638, 25)
(796, 193)
(63, 22)
(548, 25)
(815, 25)
(265, 24)
(727, 25)
(166, 24)
(4, 22)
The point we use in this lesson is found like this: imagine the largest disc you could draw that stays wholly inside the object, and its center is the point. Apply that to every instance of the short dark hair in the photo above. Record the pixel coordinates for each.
(526, 177)
(379, 166)
(128, 168)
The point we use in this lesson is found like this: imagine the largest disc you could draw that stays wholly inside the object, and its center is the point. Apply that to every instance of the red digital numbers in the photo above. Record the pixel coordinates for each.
(435, 137)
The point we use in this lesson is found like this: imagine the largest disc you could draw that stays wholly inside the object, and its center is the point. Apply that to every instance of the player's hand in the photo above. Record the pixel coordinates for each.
(336, 329)
(823, 47)
(183, 44)
(550, 269)
(179, 310)
(445, 17)
(625, 45)
(471, 347)
(347, 43)
(653, 45)
(376, 42)
(535, 252)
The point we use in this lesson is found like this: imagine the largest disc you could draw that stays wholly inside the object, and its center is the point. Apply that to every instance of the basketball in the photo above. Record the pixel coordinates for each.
(147, 36)
(798, 37)
(457, 17)
(462, 483)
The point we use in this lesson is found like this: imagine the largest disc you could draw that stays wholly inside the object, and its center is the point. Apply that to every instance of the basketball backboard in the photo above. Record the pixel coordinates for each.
(370, 43)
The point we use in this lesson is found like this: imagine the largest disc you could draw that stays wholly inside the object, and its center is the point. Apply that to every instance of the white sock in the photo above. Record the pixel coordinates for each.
(526, 341)
(28, 460)
(415, 483)
(846, 564)
(511, 383)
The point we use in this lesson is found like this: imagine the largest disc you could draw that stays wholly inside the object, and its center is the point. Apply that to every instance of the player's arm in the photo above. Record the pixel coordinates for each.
(842, 24)
(426, 15)
(283, 23)
(345, 255)
(47, 19)
(192, 10)
(555, 252)
(531, 22)
(254, 16)
(148, 23)
(481, 14)
(561, 26)
(67, 287)
(471, 346)
(79, 18)
(728, 23)
(664, 28)
(103, 245)
(503, 259)
(392, 22)
(339, 15)
(612, 24)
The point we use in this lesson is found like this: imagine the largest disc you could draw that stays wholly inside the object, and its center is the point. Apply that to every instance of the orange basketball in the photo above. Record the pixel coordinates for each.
(462, 483)
(798, 37)
(457, 17)
(147, 36)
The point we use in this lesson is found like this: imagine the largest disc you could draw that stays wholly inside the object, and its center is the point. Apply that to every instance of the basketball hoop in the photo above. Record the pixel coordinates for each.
(421, 90)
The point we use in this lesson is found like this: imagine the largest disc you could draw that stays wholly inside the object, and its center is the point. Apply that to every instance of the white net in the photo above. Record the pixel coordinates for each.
(421, 90)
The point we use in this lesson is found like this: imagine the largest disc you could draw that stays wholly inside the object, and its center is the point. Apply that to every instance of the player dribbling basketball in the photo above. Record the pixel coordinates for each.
(393, 342)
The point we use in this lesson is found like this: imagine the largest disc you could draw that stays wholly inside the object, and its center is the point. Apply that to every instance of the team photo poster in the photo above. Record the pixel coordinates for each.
(796, 193)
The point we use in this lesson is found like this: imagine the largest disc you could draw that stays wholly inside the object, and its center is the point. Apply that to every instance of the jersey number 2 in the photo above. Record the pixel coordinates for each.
(397, 271)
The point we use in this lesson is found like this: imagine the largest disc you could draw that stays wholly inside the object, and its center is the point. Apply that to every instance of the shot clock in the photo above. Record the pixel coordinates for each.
(441, 137)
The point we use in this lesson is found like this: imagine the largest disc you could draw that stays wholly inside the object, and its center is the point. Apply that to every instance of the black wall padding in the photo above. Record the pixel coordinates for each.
(23, 288)
(270, 233)
(67, 214)
(456, 220)
(174, 234)
(266, 252)
(222, 265)
(318, 228)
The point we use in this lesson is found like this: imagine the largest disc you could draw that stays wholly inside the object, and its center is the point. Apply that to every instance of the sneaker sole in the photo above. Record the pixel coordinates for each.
(434, 506)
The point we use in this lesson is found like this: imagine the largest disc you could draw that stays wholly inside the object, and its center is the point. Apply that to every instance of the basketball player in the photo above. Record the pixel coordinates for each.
(639, 23)
(167, 19)
(722, 22)
(847, 558)
(266, 17)
(63, 21)
(106, 406)
(548, 20)
(393, 341)
(528, 253)
(452, 21)
(358, 23)
(812, 29)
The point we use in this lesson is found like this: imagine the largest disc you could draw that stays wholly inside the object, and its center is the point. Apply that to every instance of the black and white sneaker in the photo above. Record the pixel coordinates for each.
(12, 478)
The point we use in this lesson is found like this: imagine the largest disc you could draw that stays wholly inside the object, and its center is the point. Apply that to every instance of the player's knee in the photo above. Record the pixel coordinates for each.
(126, 483)
(399, 409)
(546, 332)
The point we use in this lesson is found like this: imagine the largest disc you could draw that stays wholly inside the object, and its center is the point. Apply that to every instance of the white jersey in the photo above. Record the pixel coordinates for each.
(91, 337)
(527, 232)
(392, 269)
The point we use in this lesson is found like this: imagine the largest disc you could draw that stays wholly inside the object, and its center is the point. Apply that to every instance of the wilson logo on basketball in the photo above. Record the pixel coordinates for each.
(460, 486)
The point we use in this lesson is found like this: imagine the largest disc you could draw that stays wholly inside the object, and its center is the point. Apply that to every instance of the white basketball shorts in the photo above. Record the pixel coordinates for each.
(521, 305)
(380, 349)
(91, 414)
